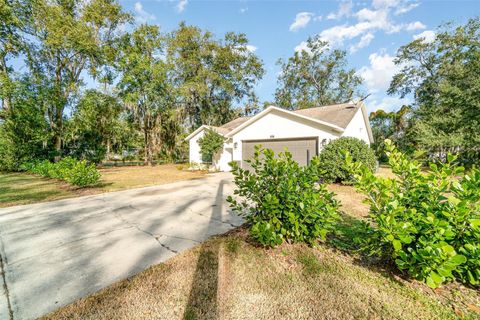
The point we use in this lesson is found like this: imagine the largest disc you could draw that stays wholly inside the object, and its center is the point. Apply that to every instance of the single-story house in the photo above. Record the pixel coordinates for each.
(304, 132)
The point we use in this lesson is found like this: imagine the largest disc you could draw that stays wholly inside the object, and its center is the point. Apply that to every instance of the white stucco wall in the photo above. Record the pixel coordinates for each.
(222, 160)
(280, 125)
(194, 152)
(357, 128)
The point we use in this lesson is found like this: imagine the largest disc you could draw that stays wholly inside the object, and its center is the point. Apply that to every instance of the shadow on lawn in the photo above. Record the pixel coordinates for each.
(203, 298)
(202, 301)
(345, 238)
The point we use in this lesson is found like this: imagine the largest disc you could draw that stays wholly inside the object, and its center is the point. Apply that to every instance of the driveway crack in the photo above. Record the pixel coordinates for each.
(134, 225)
(212, 218)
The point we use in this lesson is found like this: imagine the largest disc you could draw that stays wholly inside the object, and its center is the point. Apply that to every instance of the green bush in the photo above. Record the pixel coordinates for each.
(75, 172)
(283, 201)
(83, 174)
(332, 159)
(426, 222)
(211, 143)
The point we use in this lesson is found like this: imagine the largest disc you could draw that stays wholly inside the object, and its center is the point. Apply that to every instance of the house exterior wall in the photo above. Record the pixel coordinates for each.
(279, 125)
(357, 128)
(194, 150)
(222, 160)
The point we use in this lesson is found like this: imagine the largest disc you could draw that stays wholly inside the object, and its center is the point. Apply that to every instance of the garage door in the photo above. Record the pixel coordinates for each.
(302, 149)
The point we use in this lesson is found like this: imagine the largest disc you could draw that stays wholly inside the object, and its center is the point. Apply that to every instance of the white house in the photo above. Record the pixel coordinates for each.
(304, 132)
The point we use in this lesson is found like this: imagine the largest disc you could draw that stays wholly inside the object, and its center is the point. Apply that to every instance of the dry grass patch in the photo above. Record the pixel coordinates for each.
(229, 278)
(22, 188)
(119, 178)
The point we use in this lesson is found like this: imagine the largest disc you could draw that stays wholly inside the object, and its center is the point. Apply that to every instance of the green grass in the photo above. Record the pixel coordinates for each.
(21, 188)
(311, 265)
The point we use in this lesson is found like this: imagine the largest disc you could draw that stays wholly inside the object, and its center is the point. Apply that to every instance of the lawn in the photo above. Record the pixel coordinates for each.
(229, 277)
(23, 188)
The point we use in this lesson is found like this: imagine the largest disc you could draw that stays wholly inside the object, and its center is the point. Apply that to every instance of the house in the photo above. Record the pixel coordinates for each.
(304, 132)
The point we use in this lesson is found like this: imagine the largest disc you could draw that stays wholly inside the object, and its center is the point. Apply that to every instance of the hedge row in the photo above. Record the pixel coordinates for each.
(73, 171)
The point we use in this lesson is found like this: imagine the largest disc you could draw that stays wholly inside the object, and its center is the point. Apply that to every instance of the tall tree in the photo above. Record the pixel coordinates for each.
(14, 21)
(390, 125)
(144, 85)
(211, 75)
(443, 76)
(70, 38)
(93, 127)
(24, 131)
(316, 76)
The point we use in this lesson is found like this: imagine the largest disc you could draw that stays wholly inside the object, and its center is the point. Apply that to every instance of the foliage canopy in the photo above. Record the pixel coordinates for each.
(316, 76)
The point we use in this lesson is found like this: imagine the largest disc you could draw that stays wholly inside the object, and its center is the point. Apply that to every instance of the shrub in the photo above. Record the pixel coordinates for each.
(83, 174)
(75, 172)
(211, 143)
(426, 222)
(282, 200)
(332, 159)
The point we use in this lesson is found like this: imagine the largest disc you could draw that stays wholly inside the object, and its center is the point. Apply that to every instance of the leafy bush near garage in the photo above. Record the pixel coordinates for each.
(73, 171)
(425, 221)
(283, 201)
(332, 159)
(211, 143)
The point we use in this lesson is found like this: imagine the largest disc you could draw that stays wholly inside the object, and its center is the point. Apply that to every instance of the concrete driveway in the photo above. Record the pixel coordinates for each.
(57, 252)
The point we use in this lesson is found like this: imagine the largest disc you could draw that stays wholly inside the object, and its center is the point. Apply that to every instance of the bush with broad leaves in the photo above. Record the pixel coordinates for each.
(75, 172)
(425, 221)
(283, 201)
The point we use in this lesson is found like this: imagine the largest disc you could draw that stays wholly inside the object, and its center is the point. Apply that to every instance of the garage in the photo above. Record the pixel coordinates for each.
(302, 149)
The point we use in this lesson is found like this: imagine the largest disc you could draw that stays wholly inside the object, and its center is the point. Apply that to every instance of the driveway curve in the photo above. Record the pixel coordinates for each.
(57, 252)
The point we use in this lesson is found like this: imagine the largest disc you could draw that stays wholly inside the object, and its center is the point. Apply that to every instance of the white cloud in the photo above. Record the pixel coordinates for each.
(428, 36)
(142, 15)
(369, 20)
(417, 25)
(302, 19)
(243, 10)
(251, 48)
(302, 47)
(373, 103)
(364, 41)
(405, 8)
(379, 73)
(379, 4)
(344, 10)
(337, 34)
(181, 5)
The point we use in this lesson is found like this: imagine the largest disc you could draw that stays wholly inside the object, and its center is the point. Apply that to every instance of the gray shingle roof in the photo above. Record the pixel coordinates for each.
(337, 114)
(234, 123)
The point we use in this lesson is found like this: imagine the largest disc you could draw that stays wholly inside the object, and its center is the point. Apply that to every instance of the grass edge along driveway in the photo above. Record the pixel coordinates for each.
(19, 188)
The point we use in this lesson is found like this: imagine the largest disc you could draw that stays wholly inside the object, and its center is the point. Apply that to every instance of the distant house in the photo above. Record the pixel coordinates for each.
(304, 132)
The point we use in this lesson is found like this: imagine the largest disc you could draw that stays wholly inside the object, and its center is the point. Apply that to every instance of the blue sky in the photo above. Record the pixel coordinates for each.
(371, 31)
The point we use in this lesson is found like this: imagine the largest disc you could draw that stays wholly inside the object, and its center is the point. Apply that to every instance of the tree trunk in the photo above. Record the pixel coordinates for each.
(147, 148)
(6, 101)
(58, 147)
